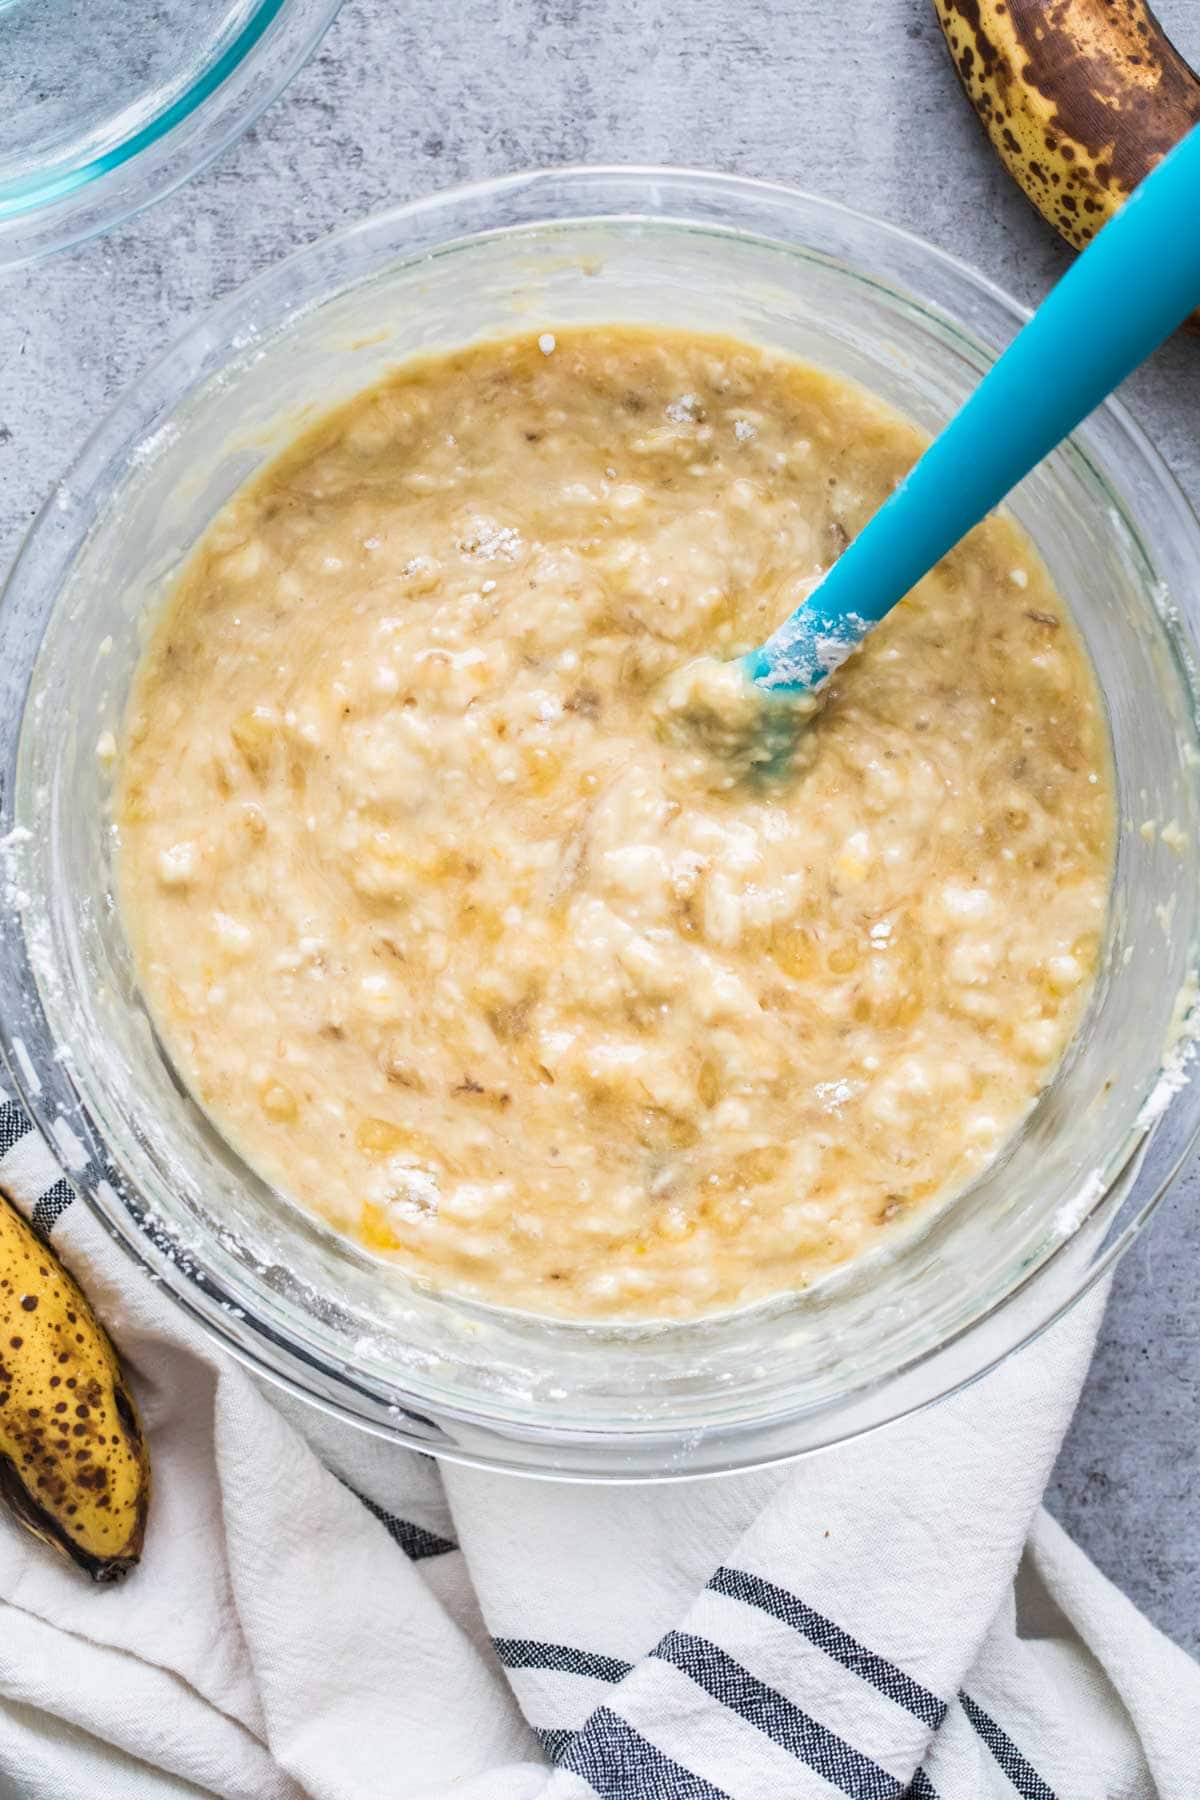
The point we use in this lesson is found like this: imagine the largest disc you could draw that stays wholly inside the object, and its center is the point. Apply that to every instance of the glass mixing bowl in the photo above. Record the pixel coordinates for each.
(316, 1312)
(105, 106)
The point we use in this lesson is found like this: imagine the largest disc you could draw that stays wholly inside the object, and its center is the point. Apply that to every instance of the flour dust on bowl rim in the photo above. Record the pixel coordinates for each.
(307, 1307)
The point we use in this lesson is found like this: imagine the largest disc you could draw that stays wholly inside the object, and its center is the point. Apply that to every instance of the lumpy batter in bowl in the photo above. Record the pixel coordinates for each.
(467, 949)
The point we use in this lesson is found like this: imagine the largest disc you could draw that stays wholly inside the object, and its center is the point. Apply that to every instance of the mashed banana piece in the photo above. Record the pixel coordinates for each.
(468, 951)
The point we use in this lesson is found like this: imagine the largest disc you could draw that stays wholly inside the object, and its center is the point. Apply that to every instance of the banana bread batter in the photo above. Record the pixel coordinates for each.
(467, 949)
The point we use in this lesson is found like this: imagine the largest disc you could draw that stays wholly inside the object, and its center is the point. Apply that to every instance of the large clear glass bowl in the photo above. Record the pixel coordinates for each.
(314, 1311)
(105, 106)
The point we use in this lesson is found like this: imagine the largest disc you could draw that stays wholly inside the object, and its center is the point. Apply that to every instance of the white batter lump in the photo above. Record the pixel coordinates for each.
(468, 947)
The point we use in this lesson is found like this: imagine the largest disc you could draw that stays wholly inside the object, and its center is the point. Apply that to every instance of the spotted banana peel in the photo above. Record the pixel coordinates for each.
(1080, 98)
(74, 1466)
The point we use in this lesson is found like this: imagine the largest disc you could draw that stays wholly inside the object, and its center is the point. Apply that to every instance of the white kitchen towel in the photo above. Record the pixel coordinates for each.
(321, 1614)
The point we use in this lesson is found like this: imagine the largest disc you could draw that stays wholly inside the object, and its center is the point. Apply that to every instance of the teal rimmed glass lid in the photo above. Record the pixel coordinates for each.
(106, 105)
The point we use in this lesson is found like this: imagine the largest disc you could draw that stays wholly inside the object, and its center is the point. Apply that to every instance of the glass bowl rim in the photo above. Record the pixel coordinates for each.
(213, 109)
(134, 420)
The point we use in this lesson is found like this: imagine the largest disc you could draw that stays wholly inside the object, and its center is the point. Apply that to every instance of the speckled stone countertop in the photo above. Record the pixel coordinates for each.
(856, 101)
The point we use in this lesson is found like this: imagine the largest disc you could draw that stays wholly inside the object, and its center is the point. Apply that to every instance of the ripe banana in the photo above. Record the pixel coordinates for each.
(1080, 98)
(73, 1461)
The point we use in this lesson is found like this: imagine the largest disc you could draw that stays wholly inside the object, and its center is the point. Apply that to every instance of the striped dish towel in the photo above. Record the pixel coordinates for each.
(321, 1614)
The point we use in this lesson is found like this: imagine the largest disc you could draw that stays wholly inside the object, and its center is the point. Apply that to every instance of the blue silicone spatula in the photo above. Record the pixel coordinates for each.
(1135, 283)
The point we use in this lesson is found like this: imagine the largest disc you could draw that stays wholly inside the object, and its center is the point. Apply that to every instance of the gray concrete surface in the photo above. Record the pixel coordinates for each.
(855, 100)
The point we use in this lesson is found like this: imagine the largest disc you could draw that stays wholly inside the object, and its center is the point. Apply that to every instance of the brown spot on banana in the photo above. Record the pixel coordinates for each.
(74, 1467)
(1080, 98)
